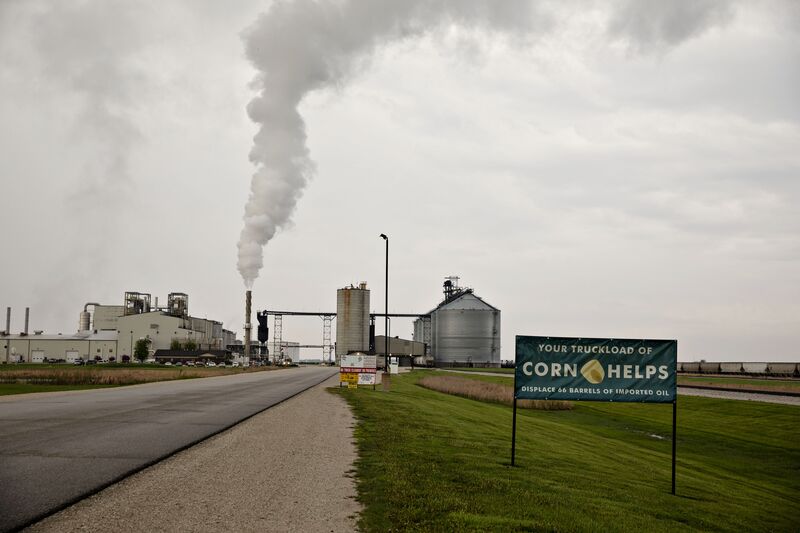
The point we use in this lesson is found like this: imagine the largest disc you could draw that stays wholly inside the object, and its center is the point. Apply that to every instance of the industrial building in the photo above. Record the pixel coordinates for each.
(398, 346)
(40, 348)
(110, 332)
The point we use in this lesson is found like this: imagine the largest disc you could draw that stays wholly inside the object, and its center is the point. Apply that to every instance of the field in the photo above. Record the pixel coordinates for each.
(774, 385)
(26, 378)
(435, 462)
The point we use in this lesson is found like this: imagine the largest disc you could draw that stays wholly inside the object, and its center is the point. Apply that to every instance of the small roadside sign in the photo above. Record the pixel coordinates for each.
(366, 379)
(358, 369)
(348, 377)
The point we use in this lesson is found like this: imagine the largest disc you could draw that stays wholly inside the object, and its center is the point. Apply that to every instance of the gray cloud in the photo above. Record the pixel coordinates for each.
(652, 25)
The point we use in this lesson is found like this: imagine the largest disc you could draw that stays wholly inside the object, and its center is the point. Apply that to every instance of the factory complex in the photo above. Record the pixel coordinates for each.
(462, 330)
(109, 333)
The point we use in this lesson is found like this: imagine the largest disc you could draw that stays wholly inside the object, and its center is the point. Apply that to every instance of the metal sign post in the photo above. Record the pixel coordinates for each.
(674, 439)
(514, 423)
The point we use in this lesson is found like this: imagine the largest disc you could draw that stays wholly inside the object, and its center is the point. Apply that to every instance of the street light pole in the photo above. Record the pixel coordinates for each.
(386, 314)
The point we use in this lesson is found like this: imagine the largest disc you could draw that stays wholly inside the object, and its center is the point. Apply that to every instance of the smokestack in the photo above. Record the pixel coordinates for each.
(8, 321)
(247, 305)
(27, 317)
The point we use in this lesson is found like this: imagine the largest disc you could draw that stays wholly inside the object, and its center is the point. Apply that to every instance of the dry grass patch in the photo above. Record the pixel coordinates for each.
(487, 392)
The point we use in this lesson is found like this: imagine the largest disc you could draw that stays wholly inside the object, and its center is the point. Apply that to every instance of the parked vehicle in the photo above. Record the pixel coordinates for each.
(78, 362)
(211, 363)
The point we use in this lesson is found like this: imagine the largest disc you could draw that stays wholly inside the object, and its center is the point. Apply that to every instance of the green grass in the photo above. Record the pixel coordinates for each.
(24, 388)
(433, 462)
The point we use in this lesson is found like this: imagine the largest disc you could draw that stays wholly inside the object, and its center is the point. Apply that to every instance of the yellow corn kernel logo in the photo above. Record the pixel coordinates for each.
(593, 372)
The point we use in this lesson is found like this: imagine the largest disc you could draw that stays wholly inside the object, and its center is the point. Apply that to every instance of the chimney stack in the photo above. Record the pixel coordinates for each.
(27, 317)
(247, 326)
(8, 321)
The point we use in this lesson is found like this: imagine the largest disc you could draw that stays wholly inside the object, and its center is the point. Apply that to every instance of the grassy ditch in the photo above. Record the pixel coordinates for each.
(487, 391)
(36, 378)
(7, 389)
(435, 462)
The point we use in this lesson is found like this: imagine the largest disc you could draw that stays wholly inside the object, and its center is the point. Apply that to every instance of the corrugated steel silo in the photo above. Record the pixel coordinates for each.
(352, 320)
(465, 330)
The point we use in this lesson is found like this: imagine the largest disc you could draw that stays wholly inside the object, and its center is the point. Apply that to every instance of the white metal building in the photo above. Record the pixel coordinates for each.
(40, 348)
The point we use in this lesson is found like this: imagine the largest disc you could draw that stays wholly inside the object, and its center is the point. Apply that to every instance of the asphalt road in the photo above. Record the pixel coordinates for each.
(57, 448)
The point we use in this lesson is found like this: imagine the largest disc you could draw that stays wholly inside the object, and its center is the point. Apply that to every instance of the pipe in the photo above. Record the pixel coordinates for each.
(247, 326)
(27, 317)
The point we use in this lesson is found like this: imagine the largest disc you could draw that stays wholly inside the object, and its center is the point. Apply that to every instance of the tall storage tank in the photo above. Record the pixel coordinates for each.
(422, 332)
(465, 330)
(84, 321)
(352, 320)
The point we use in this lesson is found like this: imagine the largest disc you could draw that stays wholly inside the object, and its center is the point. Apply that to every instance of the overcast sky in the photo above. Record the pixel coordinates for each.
(605, 169)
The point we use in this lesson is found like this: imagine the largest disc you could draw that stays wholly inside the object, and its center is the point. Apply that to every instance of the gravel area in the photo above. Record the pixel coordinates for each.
(736, 395)
(286, 469)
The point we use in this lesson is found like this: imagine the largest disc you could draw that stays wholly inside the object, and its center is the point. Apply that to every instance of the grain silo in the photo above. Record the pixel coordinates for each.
(352, 320)
(465, 330)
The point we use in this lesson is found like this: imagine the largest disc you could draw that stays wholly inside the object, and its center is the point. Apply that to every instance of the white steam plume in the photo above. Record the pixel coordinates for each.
(301, 46)
(305, 45)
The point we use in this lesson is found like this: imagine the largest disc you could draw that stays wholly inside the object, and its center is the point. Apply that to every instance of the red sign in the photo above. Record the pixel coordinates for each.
(348, 369)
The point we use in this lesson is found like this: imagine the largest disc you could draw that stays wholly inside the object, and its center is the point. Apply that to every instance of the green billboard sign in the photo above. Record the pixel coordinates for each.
(612, 370)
